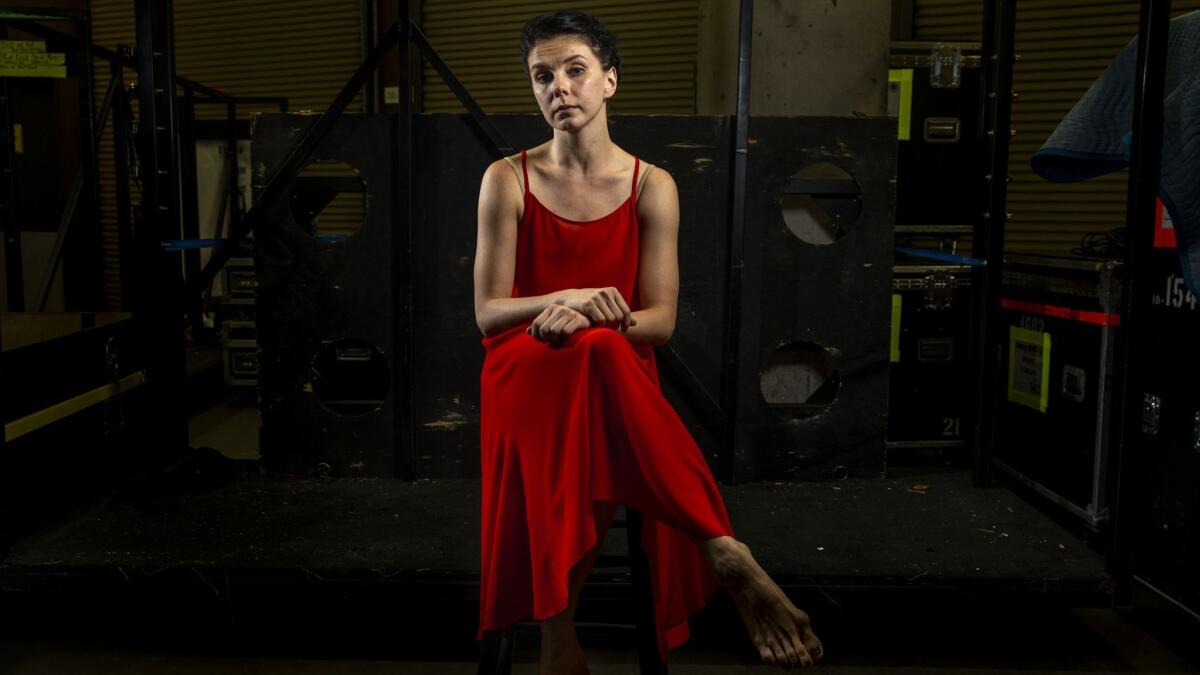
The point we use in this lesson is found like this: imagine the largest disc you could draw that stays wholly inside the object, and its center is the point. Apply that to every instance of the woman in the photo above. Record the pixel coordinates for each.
(576, 280)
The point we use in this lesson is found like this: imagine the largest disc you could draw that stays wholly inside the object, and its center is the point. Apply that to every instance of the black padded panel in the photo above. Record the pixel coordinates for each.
(836, 295)
(312, 292)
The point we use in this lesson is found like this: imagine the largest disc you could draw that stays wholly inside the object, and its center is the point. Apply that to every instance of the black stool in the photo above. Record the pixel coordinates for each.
(496, 649)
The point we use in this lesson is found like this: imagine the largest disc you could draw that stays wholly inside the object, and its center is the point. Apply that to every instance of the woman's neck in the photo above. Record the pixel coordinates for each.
(584, 151)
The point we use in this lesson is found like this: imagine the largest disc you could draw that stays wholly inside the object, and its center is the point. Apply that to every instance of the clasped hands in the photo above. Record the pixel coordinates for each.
(579, 308)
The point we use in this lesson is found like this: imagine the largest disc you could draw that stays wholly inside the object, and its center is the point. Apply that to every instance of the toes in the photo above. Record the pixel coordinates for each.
(767, 655)
(791, 652)
(784, 656)
(815, 649)
(771, 651)
(804, 655)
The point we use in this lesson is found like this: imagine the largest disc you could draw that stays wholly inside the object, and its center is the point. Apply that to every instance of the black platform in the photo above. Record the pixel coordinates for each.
(877, 531)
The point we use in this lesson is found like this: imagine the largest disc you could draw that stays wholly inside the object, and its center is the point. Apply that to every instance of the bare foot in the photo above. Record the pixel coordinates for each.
(781, 632)
(561, 652)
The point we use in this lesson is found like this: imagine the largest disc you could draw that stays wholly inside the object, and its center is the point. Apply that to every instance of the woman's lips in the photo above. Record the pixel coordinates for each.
(566, 108)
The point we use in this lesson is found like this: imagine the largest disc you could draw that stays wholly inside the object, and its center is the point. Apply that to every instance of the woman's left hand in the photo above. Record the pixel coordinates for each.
(556, 323)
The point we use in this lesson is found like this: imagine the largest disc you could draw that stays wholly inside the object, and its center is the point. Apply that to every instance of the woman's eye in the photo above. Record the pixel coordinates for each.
(577, 71)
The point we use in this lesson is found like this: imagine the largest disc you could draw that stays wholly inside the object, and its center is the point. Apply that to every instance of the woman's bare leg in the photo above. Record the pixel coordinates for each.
(561, 652)
(781, 632)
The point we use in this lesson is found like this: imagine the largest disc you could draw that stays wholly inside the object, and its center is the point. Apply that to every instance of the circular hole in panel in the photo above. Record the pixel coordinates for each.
(328, 200)
(350, 377)
(821, 203)
(801, 379)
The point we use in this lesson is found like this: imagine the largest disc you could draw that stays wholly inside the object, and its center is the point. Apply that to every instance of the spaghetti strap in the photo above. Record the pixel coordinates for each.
(524, 172)
(633, 192)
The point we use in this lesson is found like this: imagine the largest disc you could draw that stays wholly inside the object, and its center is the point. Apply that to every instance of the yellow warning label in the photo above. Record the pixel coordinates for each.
(29, 58)
(902, 79)
(1029, 367)
(897, 303)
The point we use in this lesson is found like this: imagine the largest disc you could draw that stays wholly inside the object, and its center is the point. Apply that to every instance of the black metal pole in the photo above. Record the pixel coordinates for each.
(189, 201)
(1000, 30)
(64, 226)
(231, 160)
(403, 428)
(120, 132)
(158, 315)
(1145, 167)
(737, 242)
(104, 113)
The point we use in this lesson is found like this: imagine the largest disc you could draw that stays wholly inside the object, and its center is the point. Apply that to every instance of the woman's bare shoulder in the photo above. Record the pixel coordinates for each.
(658, 197)
(500, 192)
(502, 176)
(655, 181)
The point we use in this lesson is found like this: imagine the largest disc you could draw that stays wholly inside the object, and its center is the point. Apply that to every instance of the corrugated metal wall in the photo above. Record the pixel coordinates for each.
(480, 40)
(948, 20)
(303, 49)
(1064, 45)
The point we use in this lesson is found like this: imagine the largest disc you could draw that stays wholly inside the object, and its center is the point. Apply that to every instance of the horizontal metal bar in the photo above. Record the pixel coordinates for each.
(935, 229)
(188, 244)
(1075, 509)
(922, 445)
(43, 14)
(249, 100)
(945, 257)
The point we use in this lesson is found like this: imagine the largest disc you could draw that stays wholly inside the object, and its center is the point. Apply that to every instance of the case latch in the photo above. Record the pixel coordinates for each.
(945, 66)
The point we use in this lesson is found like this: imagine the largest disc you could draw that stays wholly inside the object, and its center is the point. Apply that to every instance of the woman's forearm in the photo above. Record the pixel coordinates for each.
(499, 314)
(654, 325)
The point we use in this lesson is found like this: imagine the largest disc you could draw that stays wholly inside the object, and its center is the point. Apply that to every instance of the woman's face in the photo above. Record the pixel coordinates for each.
(570, 84)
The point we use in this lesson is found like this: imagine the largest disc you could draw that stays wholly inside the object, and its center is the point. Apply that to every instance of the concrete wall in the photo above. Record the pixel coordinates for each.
(810, 57)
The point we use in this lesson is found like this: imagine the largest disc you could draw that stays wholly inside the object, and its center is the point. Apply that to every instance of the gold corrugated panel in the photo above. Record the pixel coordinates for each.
(1064, 46)
(948, 20)
(302, 49)
(480, 41)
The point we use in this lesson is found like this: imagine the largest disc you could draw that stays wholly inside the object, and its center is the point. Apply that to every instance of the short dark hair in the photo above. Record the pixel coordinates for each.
(571, 22)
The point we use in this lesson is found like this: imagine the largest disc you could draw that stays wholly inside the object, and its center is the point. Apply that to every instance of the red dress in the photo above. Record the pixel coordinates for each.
(568, 433)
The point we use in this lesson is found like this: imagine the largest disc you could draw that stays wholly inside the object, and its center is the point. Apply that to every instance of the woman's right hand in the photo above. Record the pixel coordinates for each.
(604, 306)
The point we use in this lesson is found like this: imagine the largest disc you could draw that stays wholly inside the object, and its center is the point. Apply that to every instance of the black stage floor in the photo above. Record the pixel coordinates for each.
(300, 547)
(856, 530)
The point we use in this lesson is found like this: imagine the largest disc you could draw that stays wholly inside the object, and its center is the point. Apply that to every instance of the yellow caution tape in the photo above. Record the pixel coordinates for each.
(897, 304)
(903, 77)
(47, 416)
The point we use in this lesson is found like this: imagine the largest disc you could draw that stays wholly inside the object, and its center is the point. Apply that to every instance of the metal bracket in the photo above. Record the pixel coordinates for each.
(939, 290)
(1151, 414)
(945, 70)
